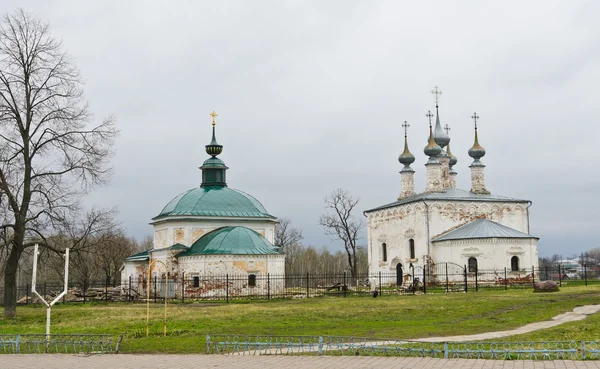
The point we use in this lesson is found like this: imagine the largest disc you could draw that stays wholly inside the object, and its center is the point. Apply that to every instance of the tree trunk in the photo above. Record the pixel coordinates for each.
(10, 283)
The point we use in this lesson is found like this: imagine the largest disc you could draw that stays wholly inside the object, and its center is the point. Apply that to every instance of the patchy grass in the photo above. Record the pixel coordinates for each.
(396, 317)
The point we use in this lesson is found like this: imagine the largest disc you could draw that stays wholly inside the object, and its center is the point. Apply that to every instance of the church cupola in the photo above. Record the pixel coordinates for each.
(477, 167)
(441, 138)
(213, 168)
(451, 162)
(407, 174)
(434, 172)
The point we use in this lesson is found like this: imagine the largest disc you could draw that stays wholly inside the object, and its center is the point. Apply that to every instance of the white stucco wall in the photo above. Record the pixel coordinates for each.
(186, 232)
(396, 226)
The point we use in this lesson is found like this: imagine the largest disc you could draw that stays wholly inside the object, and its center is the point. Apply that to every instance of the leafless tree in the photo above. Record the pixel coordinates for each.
(111, 253)
(339, 221)
(50, 153)
(286, 235)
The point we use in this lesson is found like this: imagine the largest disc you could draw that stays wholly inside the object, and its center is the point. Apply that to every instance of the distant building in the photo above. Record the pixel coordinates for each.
(211, 230)
(444, 224)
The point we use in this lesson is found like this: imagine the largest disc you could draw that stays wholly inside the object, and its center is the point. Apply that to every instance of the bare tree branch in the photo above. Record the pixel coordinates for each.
(50, 152)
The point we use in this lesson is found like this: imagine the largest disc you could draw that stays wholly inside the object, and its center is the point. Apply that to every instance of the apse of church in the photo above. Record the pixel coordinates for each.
(444, 224)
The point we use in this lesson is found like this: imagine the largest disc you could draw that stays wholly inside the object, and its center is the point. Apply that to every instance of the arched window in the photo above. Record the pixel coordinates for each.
(472, 265)
(514, 264)
(411, 248)
(252, 280)
(384, 251)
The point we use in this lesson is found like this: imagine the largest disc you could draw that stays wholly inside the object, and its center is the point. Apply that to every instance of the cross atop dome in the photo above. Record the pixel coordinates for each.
(437, 92)
(213, 115)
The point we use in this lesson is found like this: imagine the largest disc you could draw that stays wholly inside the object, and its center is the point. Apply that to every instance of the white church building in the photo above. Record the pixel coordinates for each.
(208, 232)
(444, 224)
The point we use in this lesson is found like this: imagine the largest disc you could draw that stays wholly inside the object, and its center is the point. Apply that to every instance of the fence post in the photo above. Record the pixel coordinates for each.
(106, 289)
(505, 280)
(424, 280)
(344, 287)
(447, 277)
(320, 345)
(585, 273)
(155, 279)
(533, 276)
(583, 353)
(268, 286)
(445, 350)
(380, 292)
(546, 272)
(183, 287)
(128, 291)
(85, 291)
(44, 289)
(307, 291)
(227, 287)
(476, 278)
(465, 274)
(26, 293)
(559, 276)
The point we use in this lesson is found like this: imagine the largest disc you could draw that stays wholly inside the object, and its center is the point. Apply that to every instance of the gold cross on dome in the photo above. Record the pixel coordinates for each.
(213, 115)
(475, 117)
(437, 92)
(429, 115)
(447, 129)
(405, 125)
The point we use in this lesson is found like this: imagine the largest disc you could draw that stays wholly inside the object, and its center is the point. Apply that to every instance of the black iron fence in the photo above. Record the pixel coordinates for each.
(439, 278)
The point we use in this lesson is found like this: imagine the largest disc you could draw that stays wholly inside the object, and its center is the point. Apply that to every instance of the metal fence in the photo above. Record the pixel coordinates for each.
(443, 277)
(350, 346)
(59, 343)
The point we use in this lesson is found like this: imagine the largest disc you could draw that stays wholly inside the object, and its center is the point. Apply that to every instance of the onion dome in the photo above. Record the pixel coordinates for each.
(213, 169)
(406, 158)
(453, 159)
(477, 151)
(440, 137)
(213, 148)
(432, 149)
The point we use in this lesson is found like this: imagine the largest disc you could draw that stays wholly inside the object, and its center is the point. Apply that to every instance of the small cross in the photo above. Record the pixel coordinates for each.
(405, 125)
(447, 129)
(475, 117)
(429, 115)
(213, 115)
(436, 91)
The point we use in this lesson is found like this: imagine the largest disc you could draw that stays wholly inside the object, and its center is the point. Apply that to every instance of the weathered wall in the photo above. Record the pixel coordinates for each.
(187, 232)
(395, 226)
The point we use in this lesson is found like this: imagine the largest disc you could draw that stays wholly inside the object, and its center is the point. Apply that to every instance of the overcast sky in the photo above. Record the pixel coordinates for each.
(311, 96)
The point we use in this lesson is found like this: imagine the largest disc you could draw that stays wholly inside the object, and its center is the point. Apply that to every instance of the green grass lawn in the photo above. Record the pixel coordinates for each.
(395, 317)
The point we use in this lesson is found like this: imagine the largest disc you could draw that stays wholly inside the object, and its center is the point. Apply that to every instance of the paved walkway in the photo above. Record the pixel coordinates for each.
(579, 313)
(124, 361)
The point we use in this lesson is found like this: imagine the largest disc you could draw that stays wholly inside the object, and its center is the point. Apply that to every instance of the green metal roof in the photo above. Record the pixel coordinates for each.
(232, 241)
(482, 228)
(215, 201)
(451, 194)
(140, 256)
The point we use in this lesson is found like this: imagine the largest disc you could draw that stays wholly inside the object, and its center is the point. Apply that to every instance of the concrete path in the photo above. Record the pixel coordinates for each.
(579, 313)
(124, 361)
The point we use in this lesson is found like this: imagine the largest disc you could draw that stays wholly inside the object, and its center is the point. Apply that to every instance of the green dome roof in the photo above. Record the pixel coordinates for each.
(214, 202)
(232, 241)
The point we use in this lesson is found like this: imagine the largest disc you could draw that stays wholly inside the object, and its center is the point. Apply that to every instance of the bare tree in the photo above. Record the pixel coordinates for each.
(339, 221)
(50, 154)
(286, 235)
(110, 255)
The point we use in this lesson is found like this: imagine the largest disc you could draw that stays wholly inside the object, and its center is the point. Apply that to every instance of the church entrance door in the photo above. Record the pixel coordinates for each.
(398, 274)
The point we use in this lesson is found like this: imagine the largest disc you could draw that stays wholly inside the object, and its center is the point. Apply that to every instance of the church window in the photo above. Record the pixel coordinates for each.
(196, 281)
(252, 280)
(384, 251)
(251, 264)
(472, 265)
(514, 264)
(411, 247)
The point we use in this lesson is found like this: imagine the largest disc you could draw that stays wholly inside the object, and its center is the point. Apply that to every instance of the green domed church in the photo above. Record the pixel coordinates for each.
(210, 230)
